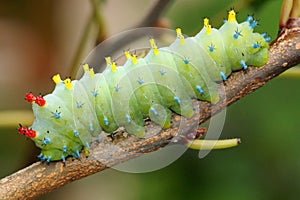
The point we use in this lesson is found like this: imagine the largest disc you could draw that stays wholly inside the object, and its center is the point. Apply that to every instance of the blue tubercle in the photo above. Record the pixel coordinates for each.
(65, 149)
(253, 24)
(177, 100)
(91, 127)
(117, 88)
(243, 64)
(40, 156)
(140, 81)
(48, 159)
(77, 155)
(43, 158)
(153, 111)
(256, 45)
(56, 115)
(76, 134)
(128, 118)
(186, 60)
(237, 34)
(79, 105)
(105, 120)
(199, 89)
(162, 72)
(46, 141)
(267, 39)
(87, 145)
(249, 19)
(95, 93)
(223, 76)
(211, 48)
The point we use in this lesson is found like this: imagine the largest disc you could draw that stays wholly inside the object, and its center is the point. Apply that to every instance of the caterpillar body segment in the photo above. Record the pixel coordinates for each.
(163, 81)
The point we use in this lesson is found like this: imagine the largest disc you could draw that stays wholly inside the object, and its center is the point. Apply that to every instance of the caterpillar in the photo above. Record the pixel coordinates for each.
(163, 81)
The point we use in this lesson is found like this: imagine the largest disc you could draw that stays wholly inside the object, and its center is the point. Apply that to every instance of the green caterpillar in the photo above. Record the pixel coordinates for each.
(165, 80)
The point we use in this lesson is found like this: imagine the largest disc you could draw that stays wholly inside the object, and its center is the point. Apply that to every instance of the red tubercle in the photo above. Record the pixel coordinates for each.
(27, 131)
(30, 97)
(40, 101)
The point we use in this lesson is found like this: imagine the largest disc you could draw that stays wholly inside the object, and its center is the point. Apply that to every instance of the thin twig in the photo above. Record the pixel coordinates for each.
(292, 73)
(96, 11)
(9, 118)
(95, 18)
(41, 178)
(289, 15)
(81, 47)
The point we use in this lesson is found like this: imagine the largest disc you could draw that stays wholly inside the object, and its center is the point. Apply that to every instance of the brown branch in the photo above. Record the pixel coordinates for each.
(155, 12)
(41, 178)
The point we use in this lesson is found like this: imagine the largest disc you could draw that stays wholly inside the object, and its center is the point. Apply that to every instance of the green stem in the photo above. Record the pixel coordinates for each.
(295, 13)
(11, 118)
(213, 144)
(291, 73)
(97, 15)
(285, 12)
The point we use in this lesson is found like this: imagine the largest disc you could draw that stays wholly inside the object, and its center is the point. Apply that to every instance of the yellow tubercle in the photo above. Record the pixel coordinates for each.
(207, 26)
(92, 73)
(206, 22)
(134, 59)
(111, 64)
(86, 151)
(208, 29)
(180, 36)
(68, 83)
(113, 67)
(56, 78)
(108, 60)
(231, 16)
(86, 67)
(153, 46)
(127, 55)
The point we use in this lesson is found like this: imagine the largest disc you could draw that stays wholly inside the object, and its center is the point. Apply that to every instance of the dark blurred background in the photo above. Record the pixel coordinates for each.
(40, 38)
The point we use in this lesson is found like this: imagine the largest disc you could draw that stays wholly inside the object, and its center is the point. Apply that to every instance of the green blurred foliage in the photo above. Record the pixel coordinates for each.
(265, 166)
